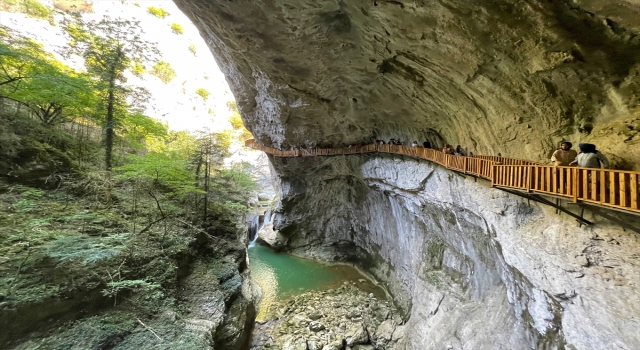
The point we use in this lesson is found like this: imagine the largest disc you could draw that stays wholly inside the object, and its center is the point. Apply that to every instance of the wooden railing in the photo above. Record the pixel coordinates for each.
(614, 189)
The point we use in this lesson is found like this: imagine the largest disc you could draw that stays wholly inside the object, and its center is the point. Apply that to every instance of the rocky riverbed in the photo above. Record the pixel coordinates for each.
(343, 318)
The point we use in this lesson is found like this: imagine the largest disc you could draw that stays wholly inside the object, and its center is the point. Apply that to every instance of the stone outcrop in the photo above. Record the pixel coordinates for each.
(271, 238)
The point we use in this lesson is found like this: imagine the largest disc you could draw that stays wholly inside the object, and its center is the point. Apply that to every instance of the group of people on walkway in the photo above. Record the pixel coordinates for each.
(588, 157)
(458, 151)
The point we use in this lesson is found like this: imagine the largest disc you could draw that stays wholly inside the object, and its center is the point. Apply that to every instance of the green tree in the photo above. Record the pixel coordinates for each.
(233, 186)
(33, 77)
(157, 11)
(138, 128)
(176, 28)
(203, 93)
(110, 48)
(163, 71)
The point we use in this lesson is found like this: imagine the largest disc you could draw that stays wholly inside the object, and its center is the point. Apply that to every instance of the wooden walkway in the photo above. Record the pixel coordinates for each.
(612, 189)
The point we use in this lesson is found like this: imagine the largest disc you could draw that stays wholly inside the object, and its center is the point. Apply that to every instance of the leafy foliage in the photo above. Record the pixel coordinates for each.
(163, 71)
(203, 93)
(164, 169)
(176, 29)
(110, 48)
(157, 11)
(138, 129)
(32, 77)
(32, 8)
(232, 187)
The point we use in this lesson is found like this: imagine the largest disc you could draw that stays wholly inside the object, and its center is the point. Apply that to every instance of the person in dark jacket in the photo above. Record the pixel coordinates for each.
(589, 157)
(426, 144)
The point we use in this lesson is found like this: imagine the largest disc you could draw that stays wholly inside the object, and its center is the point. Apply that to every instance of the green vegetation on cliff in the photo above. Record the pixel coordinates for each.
(103, 247)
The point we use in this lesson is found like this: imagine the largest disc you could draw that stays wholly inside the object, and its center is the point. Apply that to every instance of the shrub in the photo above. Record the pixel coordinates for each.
(192, 48)
(176, 28)
(157, 11)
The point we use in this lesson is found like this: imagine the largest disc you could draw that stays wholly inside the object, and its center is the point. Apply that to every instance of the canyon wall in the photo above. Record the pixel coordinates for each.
(474, 267)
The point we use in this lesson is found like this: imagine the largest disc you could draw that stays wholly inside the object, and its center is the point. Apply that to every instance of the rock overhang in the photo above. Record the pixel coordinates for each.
(494, 76)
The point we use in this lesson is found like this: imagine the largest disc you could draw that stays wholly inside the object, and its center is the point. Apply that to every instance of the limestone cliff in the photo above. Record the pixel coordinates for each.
(503, 76)
(474, 268)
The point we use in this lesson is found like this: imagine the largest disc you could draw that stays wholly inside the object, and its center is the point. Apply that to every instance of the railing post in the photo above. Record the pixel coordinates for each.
(576, 183)
(465, 165)
(529, 178)
(493, 177)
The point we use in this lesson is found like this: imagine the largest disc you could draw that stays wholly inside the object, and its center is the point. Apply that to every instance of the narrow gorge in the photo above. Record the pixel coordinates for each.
(470, 267)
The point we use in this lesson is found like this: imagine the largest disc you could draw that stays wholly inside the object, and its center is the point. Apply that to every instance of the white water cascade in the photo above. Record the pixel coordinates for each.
(255, 226)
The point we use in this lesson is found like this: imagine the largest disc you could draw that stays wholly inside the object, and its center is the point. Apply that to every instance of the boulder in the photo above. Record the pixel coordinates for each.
(273, 239)
(357, 335)
(384, 333)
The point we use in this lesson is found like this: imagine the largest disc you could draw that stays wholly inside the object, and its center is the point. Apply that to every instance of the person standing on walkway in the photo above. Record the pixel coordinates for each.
(564, 155)
(448, 149)
(426, 144)
(590, 158)
(459, 151)
(414, 144)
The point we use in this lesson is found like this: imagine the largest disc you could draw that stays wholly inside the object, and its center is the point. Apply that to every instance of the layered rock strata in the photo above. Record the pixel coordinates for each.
(474, 268)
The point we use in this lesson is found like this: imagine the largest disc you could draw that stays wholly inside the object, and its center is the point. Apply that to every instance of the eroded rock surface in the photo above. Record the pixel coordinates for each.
(473, 267)
(503, 76)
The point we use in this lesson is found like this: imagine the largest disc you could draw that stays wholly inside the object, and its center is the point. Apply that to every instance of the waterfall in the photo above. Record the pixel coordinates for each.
(254, 227)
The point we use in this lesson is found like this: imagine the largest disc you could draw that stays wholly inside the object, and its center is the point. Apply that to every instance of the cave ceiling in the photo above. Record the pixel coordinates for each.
(506, 76)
